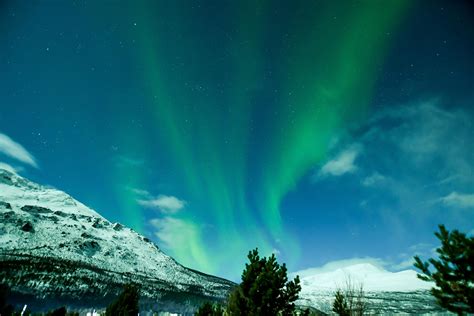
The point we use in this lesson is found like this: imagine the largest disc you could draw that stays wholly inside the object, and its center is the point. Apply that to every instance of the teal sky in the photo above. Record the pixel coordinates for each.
(316, 130)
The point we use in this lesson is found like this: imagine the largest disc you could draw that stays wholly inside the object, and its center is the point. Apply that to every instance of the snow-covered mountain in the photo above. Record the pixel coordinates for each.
(54, 247)
(385, 291)
(372, 278)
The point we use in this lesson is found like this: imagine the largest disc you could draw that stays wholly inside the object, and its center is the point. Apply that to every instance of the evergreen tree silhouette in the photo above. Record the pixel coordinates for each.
(126, 304)
(454, 271)
(265, 289)
(58, 312)
(208, 309)
(5, 308)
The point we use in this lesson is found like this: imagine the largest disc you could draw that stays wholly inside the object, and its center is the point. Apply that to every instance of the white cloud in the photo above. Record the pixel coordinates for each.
(374, 179)
(165, 203)
(403, 265)
(414, 155)
(406, 260)
(182, 239)
(180, 236)
(140, 192)
(423, 137)
(14, 150)
(420, 248)
(455, 199)
(128, 161)
(342, 163)
(172, 232)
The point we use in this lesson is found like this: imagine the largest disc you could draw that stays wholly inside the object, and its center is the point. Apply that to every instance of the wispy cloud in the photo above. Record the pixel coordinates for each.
(140, 192)
(339, 264)
(182, 238)
(458, 200)
(276, 252)
(14, 150)
(172, 232)
(403, 265)
(122, 161)
(341, 164)
(425, 137)
(414, 154)
(406, 260)
(165, 203)
(374, 179)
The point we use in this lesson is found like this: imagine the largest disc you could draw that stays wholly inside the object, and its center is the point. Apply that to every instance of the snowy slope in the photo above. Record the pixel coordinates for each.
(373, 279)
(52, 245)
(385, 291)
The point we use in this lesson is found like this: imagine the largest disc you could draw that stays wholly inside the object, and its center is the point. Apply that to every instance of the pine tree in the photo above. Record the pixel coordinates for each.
(5, 308)
(265, 289)
(208, 309)
(126, 304)
(454, 271)
(4, 292)
(340, 305)
(58, 312)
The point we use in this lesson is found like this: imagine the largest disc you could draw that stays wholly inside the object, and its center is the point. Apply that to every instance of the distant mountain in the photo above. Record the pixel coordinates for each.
(55, 249)
(372, 277)
(385, 291)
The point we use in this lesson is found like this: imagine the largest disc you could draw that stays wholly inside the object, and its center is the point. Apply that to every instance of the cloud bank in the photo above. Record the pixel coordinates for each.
(415, 154)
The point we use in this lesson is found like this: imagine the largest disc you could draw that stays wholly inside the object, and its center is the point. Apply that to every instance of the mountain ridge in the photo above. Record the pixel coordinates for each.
(385, 292)
(55, 251)
(372, 277)
(54, 247)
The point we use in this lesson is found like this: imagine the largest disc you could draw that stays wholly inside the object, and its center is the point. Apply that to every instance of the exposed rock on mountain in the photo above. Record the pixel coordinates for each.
(52, 247)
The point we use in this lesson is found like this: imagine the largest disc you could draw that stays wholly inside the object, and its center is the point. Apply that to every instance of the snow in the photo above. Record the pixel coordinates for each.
(372, 278)
(63, 228)
(386, 292)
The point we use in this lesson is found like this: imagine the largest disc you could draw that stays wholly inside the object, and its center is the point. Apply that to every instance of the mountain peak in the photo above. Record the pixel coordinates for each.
(371, 277)
(52, 229)
(10, 178)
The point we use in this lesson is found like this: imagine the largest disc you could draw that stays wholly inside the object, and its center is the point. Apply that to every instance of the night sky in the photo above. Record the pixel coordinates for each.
(316, 130)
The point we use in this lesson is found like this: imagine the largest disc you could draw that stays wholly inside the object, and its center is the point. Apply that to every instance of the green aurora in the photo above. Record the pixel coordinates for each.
(317, 130)
(326, 79)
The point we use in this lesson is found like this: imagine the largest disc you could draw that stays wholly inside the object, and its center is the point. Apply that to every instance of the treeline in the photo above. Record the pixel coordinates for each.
(9, 310)
(266, 290)
(125, 305)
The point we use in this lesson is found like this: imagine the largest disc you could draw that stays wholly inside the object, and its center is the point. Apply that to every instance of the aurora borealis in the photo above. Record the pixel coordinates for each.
(215, 127)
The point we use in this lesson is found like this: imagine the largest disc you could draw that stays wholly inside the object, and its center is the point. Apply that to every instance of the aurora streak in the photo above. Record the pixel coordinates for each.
(317, 130)
(325, 82)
